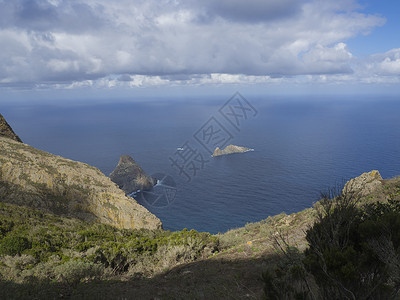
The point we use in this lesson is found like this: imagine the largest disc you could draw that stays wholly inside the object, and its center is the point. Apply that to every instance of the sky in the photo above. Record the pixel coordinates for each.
(56, 48)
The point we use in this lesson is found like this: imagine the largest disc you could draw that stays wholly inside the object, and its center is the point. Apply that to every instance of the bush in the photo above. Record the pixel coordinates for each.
(12, 245)
(288, 278)
(354, 252)
(16, 268)
(54, 241)
(75, 271)
(5, 227)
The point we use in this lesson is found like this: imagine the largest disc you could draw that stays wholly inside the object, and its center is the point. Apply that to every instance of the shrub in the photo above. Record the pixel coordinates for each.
(5, 227)
(12, 245)
(16, 268)
(53, 241)
(288, 278)
(75, 271)
(354, 251)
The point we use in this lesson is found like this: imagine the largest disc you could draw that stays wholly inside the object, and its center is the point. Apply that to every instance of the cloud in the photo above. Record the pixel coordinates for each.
(143, 42)
(41, 16)
(386, 64)
(125, 78)
(328, 60)
(251, 11)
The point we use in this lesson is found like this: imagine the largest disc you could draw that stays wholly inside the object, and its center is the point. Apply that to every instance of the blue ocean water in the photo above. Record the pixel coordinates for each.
(302, 146)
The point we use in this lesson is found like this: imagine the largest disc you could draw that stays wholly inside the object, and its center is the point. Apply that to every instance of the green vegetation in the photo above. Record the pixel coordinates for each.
(353, 253)
(12, 245)
(39, 246)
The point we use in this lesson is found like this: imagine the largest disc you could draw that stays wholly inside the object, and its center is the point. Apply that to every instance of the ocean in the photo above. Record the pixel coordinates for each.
(302, 147)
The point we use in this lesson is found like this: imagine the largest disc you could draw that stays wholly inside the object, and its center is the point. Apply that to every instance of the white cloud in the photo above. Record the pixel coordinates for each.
(382, 68)
(388, 63)
(154, 42)
(328, 60)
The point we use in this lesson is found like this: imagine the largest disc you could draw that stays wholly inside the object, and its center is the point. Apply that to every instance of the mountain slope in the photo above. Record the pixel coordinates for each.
(6, 130)
(38, 179)
(185, 266)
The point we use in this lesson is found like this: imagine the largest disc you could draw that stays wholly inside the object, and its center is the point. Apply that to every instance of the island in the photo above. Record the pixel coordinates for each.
(130, 177)
(230, 149)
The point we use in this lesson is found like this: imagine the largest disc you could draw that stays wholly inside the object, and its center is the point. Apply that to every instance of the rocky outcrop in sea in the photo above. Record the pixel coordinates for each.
(230, 149)
(130, 177)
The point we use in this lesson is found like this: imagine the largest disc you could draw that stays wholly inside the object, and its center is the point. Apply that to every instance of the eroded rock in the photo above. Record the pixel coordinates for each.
(130, 177)
(365, 184)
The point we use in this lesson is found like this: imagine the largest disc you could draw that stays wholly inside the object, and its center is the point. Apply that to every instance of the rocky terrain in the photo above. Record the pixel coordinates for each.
(38, 179)
(230, 149)
(365, 184)
(6, 130)
(183, 266)
(130, 177)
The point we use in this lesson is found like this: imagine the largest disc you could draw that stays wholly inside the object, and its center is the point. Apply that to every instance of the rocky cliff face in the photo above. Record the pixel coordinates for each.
(364, 184)
(6, 130)
(230, 149)
(38, 179)
(130, 177)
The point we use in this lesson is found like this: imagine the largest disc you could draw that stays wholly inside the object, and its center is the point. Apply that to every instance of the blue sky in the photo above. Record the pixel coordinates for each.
(382, 38)
(89, 48)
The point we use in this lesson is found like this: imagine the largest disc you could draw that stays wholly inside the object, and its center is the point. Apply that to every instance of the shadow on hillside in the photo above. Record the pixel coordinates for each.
(207, 279)
(47, 200)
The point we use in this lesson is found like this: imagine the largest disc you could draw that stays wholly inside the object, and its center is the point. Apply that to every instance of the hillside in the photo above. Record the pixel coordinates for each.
(38, 179)
(43, 246)
(6, 130)
(81, 258)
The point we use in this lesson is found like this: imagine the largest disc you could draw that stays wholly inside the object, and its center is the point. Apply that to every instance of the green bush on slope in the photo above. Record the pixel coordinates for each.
(12, 245)
(87, 249)
(353, 253)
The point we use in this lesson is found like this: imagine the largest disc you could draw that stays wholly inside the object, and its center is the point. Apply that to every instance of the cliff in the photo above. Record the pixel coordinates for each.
(365, 184)
(34, 178)
(6, 130)
(130, 177)
(184, 264)
(230, 149)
